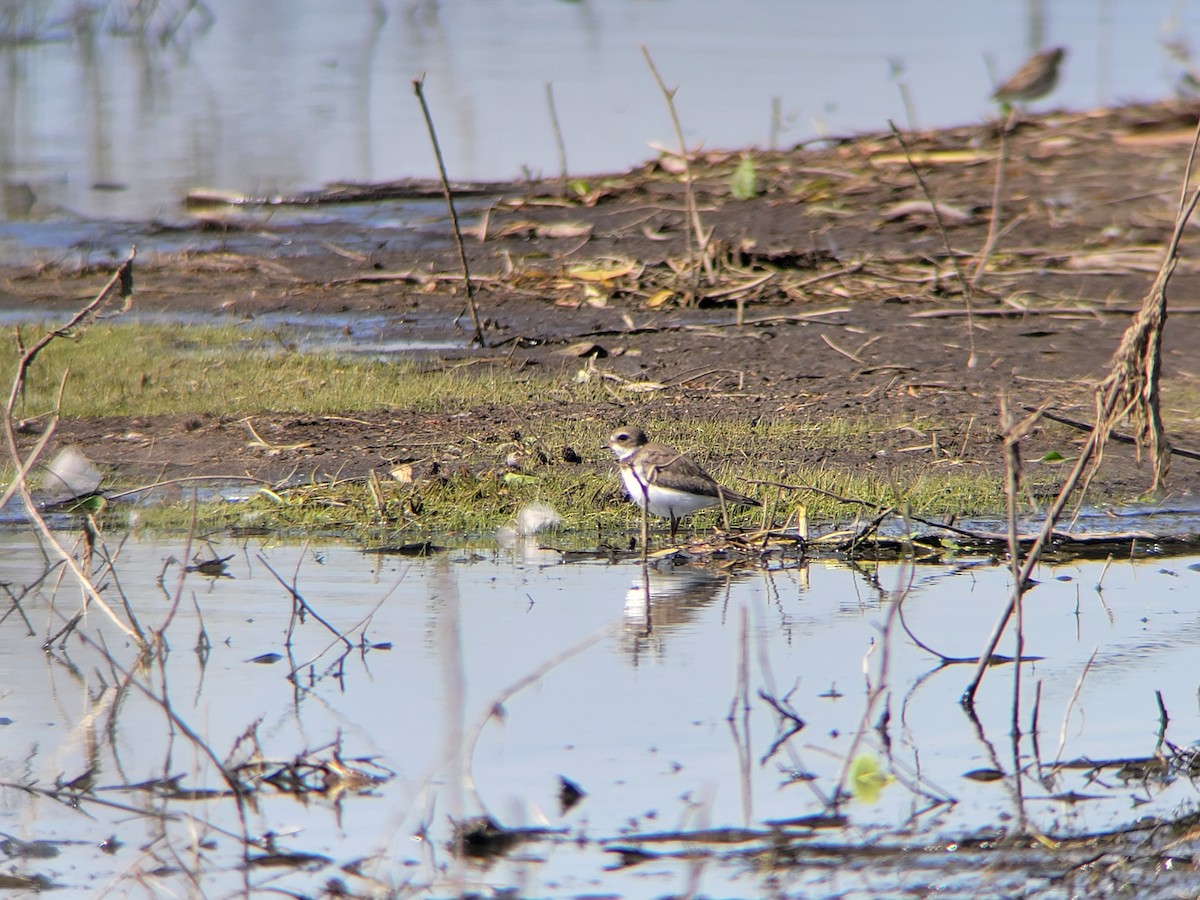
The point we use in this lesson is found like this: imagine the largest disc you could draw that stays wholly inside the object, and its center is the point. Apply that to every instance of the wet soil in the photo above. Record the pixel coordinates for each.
(849, 301)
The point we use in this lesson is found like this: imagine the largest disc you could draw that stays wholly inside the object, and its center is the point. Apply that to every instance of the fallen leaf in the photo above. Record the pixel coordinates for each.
(950, 215)
(744, 183)
(867, 779)
(934, 157)
(645, 387)
(559, 230)
(598, 274)
(517, 478)
(658, 298)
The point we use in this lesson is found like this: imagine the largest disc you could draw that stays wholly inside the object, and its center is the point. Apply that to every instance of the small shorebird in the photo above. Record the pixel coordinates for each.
(1034, 80)
(668, 483)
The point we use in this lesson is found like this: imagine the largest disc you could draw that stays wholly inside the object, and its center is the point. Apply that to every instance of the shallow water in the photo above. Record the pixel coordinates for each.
(116, 120)
(506, 668)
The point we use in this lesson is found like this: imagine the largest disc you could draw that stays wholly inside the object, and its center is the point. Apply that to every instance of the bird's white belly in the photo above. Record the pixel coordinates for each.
(665, 502)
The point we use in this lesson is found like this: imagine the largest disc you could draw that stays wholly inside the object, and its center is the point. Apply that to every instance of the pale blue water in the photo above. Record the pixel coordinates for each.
(272, 96)
(479, 677)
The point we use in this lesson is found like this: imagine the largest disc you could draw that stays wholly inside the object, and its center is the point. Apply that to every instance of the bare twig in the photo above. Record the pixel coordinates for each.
(989, 245)
(419, 88)
(967, 288)
(698, 237)
(558, 137)
(122, 279)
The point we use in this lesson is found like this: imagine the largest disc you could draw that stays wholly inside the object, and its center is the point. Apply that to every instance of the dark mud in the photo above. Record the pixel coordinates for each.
(851, 306)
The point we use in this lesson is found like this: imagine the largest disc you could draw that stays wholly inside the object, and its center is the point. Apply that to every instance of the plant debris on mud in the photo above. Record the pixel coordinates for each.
(825, 293)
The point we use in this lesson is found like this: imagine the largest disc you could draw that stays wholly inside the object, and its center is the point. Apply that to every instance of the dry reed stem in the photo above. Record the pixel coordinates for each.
(419, 88)
(993, 234)
(123, 277)
(967, 287)
(1130, 391)
(697, 238)
(558, 139)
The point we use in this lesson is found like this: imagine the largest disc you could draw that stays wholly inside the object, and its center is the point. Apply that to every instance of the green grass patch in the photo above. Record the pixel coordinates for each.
(589, 500)
(130, 369)
(146, 370)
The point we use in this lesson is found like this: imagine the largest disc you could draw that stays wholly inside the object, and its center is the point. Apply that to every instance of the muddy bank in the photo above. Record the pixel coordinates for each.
(829, 293)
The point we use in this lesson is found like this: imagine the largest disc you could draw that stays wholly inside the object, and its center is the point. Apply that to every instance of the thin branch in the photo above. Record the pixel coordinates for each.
(989, 245)
(967, 289)
(702, 237)
(419, 88)
(558, 137)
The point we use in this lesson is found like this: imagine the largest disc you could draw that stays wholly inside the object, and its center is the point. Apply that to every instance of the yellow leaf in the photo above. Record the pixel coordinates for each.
(658, 298)
(596, 273)
(867, 780)
(933, 156)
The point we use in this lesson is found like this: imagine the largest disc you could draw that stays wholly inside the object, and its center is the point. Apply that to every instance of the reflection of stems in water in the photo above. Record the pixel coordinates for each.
(25, 590)
(1034, 719)
(741, 739)
(1163, 720)
(344, 636)
(495, 706)
(1062, 730)
(174, 597)
(878, 687)
(300, 606)
(1129, 390)
(1012, 487)
(419, 87)
(240, 792)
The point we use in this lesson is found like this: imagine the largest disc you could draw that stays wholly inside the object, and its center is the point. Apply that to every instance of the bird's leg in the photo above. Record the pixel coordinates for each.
(645, 516)
(674, 527)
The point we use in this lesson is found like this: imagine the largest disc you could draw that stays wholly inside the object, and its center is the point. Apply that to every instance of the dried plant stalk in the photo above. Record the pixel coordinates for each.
(1131, 390)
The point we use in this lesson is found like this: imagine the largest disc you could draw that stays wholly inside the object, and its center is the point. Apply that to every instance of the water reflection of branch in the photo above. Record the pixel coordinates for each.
(300, 606)
(362, 645)
(790, 723)
(16, 598)
(241, 793)
(741, 736)
(495, 706)
(878, 687)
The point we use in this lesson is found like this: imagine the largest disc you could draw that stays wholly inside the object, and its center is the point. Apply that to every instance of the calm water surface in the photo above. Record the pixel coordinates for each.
(111, 117)
(493, 672)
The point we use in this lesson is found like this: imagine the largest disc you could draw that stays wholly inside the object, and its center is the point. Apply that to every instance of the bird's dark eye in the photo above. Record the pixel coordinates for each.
(623, 436)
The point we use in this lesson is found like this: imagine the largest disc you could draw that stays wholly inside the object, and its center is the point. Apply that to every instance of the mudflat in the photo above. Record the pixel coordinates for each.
(808, 284)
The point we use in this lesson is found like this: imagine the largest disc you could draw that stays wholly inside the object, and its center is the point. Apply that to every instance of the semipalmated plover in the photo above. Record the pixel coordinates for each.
(664, 480)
